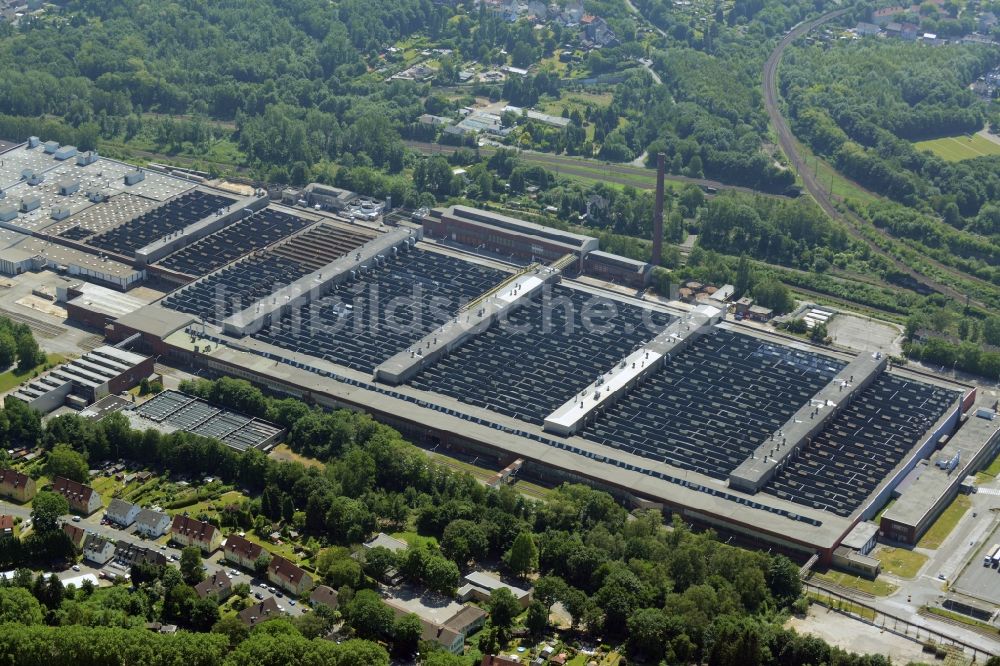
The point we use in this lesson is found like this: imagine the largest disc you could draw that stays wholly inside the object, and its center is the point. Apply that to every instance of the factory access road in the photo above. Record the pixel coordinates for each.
(852, 223)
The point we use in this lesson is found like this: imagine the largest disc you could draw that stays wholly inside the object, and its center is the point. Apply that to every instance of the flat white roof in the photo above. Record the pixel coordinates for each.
(489, 582)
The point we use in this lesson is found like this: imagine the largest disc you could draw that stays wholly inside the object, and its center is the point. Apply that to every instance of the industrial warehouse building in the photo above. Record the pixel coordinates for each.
(783, 446)
(103, 371)
(505, 355)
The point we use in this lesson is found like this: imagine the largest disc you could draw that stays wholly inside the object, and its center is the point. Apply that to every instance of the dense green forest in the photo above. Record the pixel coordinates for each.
(863, 117)
(663, 591)
(709, 116)
(297, 87)
(862, 102)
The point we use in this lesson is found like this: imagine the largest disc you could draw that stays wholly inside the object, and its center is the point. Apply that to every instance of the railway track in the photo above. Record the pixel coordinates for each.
(41, 328)
(621, 174)
(852, 223)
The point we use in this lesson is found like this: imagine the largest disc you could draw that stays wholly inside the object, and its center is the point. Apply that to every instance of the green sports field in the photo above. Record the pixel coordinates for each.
(956, 148)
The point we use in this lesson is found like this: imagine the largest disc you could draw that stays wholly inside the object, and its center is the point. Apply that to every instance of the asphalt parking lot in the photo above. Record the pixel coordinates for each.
(982, 582)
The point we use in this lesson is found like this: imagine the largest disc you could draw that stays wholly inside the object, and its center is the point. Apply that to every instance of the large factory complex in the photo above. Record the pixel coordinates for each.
(481, 334)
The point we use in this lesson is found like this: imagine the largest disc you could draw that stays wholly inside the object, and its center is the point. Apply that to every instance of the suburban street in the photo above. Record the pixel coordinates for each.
(213, 564)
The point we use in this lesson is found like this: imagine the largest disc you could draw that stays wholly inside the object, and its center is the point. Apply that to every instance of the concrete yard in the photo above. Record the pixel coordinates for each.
(857, 636)
(865, 334)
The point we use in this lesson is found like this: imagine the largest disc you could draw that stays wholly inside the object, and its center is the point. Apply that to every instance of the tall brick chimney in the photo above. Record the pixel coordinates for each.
(658, 211)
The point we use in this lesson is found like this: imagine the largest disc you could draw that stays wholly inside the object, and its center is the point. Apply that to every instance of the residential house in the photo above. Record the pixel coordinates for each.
(893, 29)
(288, 576)
(152, 524)
(909, 32)
(537, 9)
(429, 119)
(18, 487)
(479, 585)
(75, 534)
(6, 526)
(241, 552)
(127, 554)
(867, 29)
(492, 660)
(220, 585)
(260, 612)
(572, 14)
(98, 549)
(162, 628)
(187, 531)
(385, 541)
(325, 595)
(121, 512)
(82, 499)
(599, 32)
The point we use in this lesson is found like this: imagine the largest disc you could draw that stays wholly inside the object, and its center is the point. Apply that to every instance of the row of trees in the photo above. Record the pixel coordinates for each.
(18, 344)
(793, 233)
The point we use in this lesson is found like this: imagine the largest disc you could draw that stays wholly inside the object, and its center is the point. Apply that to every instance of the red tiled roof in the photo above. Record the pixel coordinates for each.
(490, 660)
(240, 546)
(193, 529)
(74, 491)
(285, 570)
(218, 584)
(74, 533)
(11, 478)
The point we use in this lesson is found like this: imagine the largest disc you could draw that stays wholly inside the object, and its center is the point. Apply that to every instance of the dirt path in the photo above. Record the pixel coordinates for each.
(988, 135)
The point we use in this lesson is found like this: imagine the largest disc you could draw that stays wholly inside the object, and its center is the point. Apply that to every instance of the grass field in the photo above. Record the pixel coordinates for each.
(945, 523)
(842, 188)
(282, 452)
(900, 562)
(990, 472)
(415, 540)
(878, 587)
(850, 607)
(958, 617)
(210, 505)
(12, 377)
(957, 148)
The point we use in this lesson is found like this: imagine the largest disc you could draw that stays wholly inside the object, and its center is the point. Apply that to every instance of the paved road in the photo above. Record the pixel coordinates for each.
(213, 564)
(787, 141)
